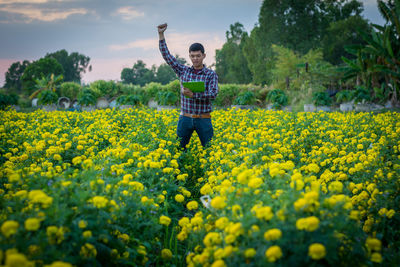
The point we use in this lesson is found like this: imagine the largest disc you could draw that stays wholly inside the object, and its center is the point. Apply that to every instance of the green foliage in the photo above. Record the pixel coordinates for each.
(344, 96)
(278, 98)
(129, 100)
(47, 97)
(377, 61)
(167, 98)
(103, 88)
(381, 93)
(73, 64)
(87, 97)
(227, 94)
(343, 33)
(321, 98)
(14, 75)
(231, 64)
(245, 98)
(43, 67)
(8, 100)
(70, 90)
(361, 94)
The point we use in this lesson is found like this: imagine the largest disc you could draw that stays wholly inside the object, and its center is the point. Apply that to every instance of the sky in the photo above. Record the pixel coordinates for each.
(117, 33)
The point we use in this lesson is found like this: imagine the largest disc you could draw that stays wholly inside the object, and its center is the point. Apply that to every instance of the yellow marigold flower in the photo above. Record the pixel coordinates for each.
(166, 254)
(32, 224)
(273, 234)
(168, 170)
(99, 201)
(205, 189)
(82, 224)
(57, 157)
(255, 182)
(192, 205)
(390, 213)
(250, 253)
(17, 260)
(164, 220)
(179, 198)
(229, 239)
(221, 223)
(316, 251)
(309, 224)
(335, 187)
(87, 234)
(15, 177)
(218, 203)
(376, 257)
(273, 253)
(88, 251)
(211, 239)
(264, 213)
(9, 228)
(59, 264)
(183, 221)
(296, 176)
(373, 244)
(77, 160)
(244, 176)
(136, 186)
(218, 263)
(38, 196)
(298, 184)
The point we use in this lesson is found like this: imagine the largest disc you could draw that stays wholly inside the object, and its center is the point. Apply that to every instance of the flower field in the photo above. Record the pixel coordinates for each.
(111, 188)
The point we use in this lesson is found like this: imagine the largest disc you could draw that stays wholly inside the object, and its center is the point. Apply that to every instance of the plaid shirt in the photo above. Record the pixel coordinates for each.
(201, 102)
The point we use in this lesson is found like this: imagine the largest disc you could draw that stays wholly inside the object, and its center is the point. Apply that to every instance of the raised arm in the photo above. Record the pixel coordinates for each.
(171, 60)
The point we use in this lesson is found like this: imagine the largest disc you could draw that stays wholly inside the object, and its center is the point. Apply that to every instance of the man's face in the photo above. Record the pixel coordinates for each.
(197, 58)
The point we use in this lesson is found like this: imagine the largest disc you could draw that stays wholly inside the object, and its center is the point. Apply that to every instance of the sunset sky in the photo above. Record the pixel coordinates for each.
(115, 34)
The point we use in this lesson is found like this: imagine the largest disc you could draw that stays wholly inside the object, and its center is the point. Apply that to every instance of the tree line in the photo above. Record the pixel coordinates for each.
(297, 45)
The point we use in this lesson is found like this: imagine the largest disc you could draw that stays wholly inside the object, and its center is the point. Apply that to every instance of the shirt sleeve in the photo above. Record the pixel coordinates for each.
(170, 59)
(211, 90)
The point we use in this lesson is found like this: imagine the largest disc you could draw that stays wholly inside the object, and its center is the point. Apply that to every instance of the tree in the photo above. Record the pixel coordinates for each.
(73, 64)
(231, 64)
(43, 67)
(299, 25)
(377, 62)
(341, 33)
(14, 74)
(165, 74)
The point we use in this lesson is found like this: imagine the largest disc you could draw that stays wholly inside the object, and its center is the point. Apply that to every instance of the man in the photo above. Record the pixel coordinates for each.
(195, 106)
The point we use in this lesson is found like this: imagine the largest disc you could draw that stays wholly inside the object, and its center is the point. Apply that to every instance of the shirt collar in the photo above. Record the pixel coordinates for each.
(202, 70)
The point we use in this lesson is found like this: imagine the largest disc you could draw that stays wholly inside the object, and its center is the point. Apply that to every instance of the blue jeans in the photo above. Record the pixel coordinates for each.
(187, 125)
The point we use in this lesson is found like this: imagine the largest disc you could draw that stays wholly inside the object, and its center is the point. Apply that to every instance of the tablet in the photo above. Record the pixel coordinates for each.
(195, 87)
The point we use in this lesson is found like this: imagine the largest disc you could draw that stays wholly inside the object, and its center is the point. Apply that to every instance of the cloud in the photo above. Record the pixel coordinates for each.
(23, 1)
(129, 13)
(31, 10)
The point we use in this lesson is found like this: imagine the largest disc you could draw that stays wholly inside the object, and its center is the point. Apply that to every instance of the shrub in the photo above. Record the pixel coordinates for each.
(47, 97)
(103, 88)
(129, 100)
(245, 98)
(86, 97)
(321, 98)
(344, 96)
(227, 94)
(361, 94)
(8, 100)
(277, 97)
(166, 98)
(70, 90)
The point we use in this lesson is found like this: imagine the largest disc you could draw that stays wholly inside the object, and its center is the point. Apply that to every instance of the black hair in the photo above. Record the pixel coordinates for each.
(196, 47)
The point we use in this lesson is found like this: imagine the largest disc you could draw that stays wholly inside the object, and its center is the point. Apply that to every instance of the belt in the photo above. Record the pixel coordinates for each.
(197, 116)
